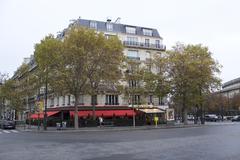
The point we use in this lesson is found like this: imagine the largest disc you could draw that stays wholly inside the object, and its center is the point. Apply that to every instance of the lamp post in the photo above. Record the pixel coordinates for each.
(134, 123)
(132, 96)
(45, 105)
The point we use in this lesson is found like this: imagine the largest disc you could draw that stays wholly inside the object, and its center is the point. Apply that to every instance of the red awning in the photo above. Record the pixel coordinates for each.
(105, 113)
(41, 115)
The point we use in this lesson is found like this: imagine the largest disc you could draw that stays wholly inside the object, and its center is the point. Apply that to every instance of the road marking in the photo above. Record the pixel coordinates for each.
(14, 131)
(6, 131)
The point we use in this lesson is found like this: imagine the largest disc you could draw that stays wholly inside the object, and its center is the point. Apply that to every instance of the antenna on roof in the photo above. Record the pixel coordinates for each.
(117, 20)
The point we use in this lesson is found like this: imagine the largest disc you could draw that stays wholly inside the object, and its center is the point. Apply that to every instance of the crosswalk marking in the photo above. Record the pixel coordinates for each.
(15, 131)
(8, 131)
(5, 131)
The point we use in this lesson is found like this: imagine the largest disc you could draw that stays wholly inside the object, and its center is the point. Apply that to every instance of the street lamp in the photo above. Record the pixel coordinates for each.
(45, 104)
(132, 97)
(134, 123)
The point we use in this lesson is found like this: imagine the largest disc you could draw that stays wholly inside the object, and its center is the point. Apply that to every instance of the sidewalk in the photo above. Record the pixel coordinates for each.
(99, 129)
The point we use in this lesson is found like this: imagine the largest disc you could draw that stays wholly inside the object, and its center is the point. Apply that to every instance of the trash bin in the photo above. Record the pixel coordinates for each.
(58, 125)
(64, 125)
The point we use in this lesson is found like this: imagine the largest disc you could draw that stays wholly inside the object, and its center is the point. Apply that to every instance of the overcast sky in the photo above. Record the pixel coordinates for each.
(214, 23)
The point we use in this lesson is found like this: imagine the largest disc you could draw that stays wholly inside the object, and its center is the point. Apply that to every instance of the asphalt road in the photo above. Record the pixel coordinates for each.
(216, 142)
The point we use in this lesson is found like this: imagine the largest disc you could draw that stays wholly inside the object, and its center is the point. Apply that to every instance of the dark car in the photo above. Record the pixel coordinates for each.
(236, 119)
(6, 124)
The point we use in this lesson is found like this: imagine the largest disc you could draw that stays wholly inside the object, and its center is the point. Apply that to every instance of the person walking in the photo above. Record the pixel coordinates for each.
(100, 121)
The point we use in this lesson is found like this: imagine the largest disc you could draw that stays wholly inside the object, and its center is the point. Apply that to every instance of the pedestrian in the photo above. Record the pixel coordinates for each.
(100, 121)
(156, 121)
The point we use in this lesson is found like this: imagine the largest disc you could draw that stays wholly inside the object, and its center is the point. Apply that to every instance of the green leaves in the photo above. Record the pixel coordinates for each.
(80, 62)
(193, 73)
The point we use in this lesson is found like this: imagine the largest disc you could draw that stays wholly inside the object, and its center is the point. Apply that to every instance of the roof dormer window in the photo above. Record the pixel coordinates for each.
(147, 32)
(130, 30)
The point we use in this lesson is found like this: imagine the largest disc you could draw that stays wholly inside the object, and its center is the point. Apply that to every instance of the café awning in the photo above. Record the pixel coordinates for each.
(105, 113)
(151, 110)
(41, 115)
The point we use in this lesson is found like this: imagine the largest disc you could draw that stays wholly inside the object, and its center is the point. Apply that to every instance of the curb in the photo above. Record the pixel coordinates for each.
(112, 129)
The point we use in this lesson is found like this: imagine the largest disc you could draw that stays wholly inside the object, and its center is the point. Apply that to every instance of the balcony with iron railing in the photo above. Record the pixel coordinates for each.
(133, 44)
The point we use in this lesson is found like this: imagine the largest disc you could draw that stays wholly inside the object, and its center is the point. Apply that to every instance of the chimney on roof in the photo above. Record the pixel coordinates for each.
(109, 19)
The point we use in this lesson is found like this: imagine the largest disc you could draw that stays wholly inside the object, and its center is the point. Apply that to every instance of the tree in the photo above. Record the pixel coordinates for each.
(85, 60)
(156, 76)
(193, 74)
(3, 78)
(216, 103)
(134, 78)
(104, 61)
(46, 53)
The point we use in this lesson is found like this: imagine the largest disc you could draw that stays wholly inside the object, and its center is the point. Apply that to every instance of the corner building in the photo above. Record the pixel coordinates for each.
(140, 44)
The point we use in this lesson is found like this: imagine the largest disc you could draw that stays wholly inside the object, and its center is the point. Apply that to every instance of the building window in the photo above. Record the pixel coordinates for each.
(94, 100)
(133, 83)
(52, 102)
(161, 102)
(147, 42)
(63, 101)
(57, 100)
(157, 44)
(69, 99)
(133, 54)
(147, 32)
(150, 99)
(135, 99)
(131, 30)
(132, 40)
(148, 64)
(109, 26)
(80, 100)
(111, 100)
(93, 24)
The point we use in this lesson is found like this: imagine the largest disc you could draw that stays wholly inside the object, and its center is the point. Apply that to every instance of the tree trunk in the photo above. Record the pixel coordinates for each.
(196, 116)
(76, 112)
(185, 112)
(202, 116)
(94, 102)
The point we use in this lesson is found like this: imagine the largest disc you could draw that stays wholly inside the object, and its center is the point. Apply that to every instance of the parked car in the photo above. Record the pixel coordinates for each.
(236, 119)
(211, 118)
(6, 124)
(190, 117)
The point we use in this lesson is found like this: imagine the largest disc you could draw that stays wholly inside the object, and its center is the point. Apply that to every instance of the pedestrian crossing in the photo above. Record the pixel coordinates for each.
(2, 131)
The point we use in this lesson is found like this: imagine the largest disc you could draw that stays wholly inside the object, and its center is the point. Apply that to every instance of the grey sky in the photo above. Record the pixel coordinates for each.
(215, 23)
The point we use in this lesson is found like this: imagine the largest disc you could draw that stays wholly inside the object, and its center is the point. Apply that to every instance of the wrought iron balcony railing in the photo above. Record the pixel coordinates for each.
(144, 45)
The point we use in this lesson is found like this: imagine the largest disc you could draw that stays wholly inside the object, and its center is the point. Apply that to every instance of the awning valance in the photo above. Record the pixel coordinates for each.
(105, 113)
(41, 115)
(151, 110)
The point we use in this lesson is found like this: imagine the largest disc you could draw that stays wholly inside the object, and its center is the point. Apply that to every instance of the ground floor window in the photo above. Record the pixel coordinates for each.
(161, 102)
(150, 99)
